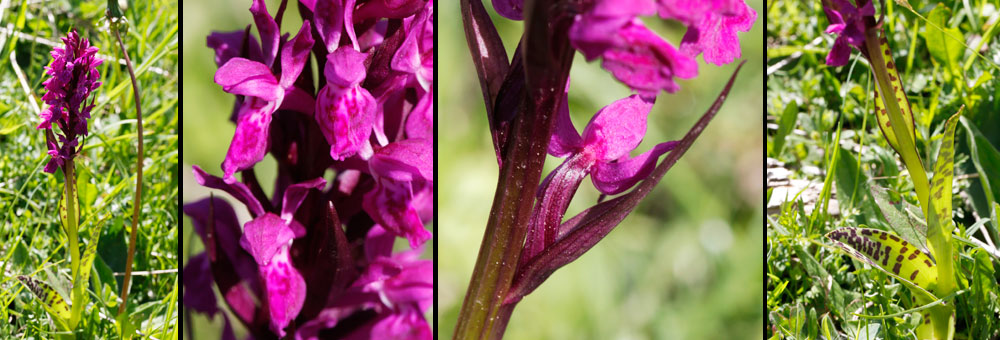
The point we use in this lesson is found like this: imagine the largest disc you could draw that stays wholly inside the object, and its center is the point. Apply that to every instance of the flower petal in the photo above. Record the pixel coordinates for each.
(329, 19)
(645, 62)
(393, 9)
(294, 55)
(238, 190)
(715, 36)
(294, 195)
(399, 206)
(268, 30)
(286, 290)
(617, 129)
(198, 293)
(248, 78)
(510, 9)
(228, 45)
(345, 67)
(250, 141)
(345, 117)
(405, 160)
(565, 140)
(264, 236)
(614, 178)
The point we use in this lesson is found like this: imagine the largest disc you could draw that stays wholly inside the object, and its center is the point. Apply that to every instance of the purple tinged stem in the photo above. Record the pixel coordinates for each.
(583, 231)
(548, 57)
(138, 177)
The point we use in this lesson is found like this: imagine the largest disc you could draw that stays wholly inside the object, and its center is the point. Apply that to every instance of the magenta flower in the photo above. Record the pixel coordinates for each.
(510, 9)
(264, 91)
(632, 53)
(74, 76)
(848, 22)
(316, 262)
(714, 34)
(603, 150)
(345, 111)
(403, 196)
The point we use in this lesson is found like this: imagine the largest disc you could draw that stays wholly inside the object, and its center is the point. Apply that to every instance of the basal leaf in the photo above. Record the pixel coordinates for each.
(889, 253)
(897, 214)
(784, 127)
(940, 38)
(849, 177)
(986, 159)
(944, 172)
(51, 301)
(900, 96)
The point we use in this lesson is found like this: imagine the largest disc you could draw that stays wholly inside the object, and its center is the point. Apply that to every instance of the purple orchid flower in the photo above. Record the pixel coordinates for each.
(403, 196)
(345, 111)
(848, 22)
(642, 59)
(632, 53)
(510, 9)
(74, 76)
(715, 33)
(264, 91)
(295, 269)
(602, 152)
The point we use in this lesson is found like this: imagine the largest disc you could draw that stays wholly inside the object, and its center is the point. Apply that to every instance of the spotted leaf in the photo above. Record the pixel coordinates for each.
(889, 253)
(51, 301)
(903, 218)
(944, 171)
(899, 95)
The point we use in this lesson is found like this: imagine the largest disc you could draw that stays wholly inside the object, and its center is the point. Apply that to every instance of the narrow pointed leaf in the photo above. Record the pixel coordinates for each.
(898, 215)
(582, 232)
(889, 253)
(90, 253)
(944, 172)
(51, 301)
(489, 57)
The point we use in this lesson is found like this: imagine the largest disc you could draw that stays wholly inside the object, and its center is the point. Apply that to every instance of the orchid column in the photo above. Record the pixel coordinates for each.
(526, 238)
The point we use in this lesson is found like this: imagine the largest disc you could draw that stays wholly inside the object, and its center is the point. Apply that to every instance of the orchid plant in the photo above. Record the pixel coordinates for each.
(74, 78)
(526, 236)
(919, 250)
(317, 259)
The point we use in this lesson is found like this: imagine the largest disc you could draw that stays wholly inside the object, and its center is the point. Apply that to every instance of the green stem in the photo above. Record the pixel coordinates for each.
(74, 243)
(138, 176)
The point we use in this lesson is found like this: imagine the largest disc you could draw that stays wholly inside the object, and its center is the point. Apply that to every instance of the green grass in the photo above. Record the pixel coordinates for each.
(31, 241)
(684, 265)
(828, 143)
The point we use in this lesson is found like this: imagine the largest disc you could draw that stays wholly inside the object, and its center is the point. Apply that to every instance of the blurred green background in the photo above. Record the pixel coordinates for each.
(687, 264)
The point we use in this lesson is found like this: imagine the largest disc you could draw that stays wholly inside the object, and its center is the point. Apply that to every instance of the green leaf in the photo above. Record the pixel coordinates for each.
(51, 301)
(85, 190)
(944, 172)
(849, 178)
(890, 254)
(986, 159)
(63, 214)
(941, 39)
(900, 216)
(785, 126)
